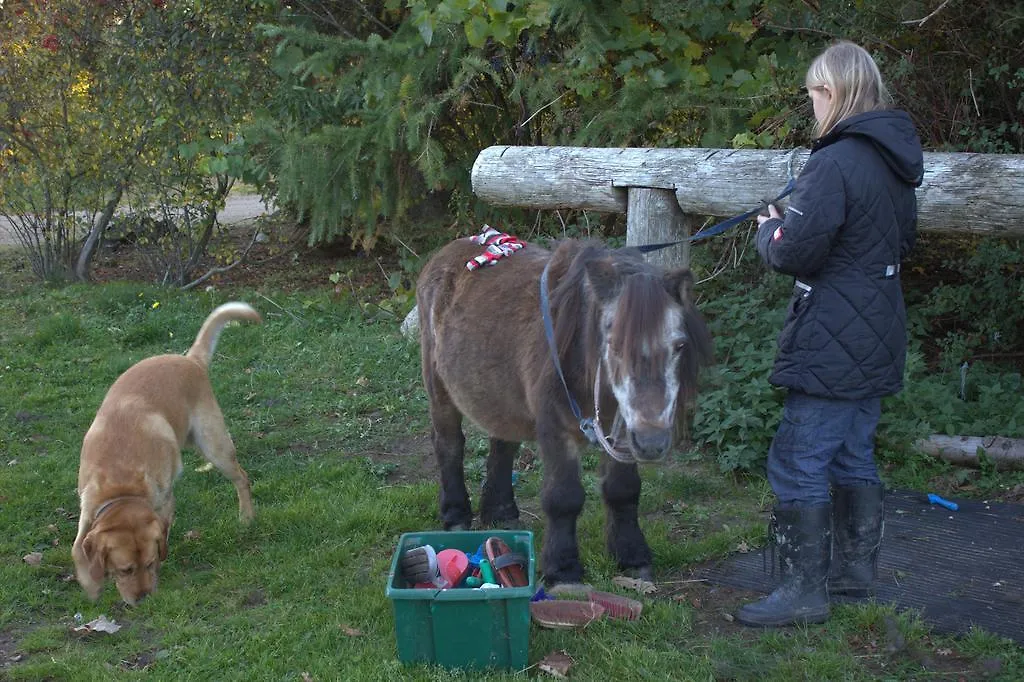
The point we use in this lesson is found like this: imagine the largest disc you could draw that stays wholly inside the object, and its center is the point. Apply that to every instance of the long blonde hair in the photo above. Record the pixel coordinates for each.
(852, 76)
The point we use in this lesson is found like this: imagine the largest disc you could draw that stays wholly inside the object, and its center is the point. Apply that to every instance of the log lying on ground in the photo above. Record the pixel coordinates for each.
(1006, 453)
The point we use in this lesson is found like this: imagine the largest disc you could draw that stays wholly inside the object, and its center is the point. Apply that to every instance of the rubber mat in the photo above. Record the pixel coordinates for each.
(959, 568)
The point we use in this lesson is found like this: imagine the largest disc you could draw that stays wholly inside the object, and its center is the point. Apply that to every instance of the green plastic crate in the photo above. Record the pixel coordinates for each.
(463, 627)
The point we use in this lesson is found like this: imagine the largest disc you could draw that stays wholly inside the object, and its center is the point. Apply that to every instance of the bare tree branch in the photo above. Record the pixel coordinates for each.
(970, 83)
(327, 19)
(921, 21)
(369, 15)
(818, 31)
(216, 271)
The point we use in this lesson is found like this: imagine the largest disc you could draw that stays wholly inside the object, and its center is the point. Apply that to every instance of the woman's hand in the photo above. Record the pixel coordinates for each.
(772, 213)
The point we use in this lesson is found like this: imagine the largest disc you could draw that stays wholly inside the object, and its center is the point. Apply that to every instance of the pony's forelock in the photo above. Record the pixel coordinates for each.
(639, 318)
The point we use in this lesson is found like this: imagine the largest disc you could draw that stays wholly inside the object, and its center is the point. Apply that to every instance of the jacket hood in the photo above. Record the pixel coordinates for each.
(892, 133)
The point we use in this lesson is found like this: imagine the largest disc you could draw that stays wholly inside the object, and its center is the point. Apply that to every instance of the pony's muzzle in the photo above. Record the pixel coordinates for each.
(650, 445)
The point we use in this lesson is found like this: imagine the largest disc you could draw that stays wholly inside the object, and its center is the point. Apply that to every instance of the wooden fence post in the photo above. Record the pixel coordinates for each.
(653, 216)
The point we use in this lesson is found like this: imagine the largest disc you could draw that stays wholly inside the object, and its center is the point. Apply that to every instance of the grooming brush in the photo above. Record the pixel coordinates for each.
(562, 614)
(617, 606)
(419, 566)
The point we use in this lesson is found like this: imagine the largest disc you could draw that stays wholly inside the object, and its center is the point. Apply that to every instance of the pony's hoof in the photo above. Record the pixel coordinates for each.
(569, 589)
(499, 515)
(641, 572)
(503, 524)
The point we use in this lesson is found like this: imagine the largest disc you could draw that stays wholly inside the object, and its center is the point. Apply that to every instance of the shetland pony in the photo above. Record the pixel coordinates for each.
(629, 343)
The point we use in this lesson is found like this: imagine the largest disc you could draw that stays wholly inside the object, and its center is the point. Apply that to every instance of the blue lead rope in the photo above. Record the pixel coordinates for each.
(586, 425)
(722, 226)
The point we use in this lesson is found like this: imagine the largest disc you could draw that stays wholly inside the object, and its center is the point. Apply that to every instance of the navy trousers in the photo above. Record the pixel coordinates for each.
(822, 442)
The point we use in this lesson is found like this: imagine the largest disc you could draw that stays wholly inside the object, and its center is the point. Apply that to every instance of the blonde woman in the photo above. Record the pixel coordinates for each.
(851, 219)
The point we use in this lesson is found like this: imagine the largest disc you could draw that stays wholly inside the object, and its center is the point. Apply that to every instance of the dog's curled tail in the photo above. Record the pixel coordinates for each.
(206, 341)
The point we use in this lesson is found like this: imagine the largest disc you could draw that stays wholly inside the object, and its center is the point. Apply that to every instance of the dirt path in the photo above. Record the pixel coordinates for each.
(242, 207)
(237, 209)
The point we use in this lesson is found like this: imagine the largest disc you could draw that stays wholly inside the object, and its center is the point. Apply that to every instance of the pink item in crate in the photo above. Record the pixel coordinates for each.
(453, 566)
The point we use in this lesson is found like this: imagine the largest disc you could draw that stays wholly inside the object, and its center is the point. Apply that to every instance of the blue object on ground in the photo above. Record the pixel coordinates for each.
(540, 595)
(935, 499)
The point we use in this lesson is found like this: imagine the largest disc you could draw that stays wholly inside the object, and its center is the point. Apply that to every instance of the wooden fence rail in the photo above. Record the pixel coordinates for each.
(663, 192)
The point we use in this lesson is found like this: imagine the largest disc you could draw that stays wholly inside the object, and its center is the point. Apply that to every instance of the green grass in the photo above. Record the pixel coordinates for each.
(329, 419)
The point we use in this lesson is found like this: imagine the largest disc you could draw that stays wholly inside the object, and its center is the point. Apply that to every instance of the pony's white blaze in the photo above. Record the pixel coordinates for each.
(640, 414)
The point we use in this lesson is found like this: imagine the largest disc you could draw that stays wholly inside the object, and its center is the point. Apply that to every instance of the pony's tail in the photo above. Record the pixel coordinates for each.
(206, 341)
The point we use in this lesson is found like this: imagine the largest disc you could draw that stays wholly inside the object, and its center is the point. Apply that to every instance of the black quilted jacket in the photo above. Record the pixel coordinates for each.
(850, 220)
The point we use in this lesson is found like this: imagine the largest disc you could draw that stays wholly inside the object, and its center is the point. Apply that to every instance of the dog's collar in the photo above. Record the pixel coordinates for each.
(110, 503)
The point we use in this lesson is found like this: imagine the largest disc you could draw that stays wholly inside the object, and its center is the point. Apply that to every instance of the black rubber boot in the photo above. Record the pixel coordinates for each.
(803, 539)
(858, 520)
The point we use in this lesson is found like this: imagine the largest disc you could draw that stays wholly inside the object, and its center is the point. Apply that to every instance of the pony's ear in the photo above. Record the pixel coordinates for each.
(679, 284)
(603, 278)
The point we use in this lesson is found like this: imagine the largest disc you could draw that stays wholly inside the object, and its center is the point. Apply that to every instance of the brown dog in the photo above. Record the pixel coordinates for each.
(131, 456)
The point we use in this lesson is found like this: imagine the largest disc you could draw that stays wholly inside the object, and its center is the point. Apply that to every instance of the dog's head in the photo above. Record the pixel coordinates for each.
(127, 542)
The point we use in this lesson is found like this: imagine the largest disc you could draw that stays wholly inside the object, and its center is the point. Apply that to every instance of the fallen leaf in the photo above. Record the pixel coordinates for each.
(351, 632)
(362, 381)
(743, 547)
(556, 664)
(203, 468)
(729, 617)
(641, 586)
(100, 624)
(306, 677)
(692, 600)
(192, 534)
(33, 559)
(944, 652)
(52, 528)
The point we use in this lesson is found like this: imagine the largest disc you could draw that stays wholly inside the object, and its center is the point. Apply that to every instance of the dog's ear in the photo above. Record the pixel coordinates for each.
(95, 554)
(161, 538)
